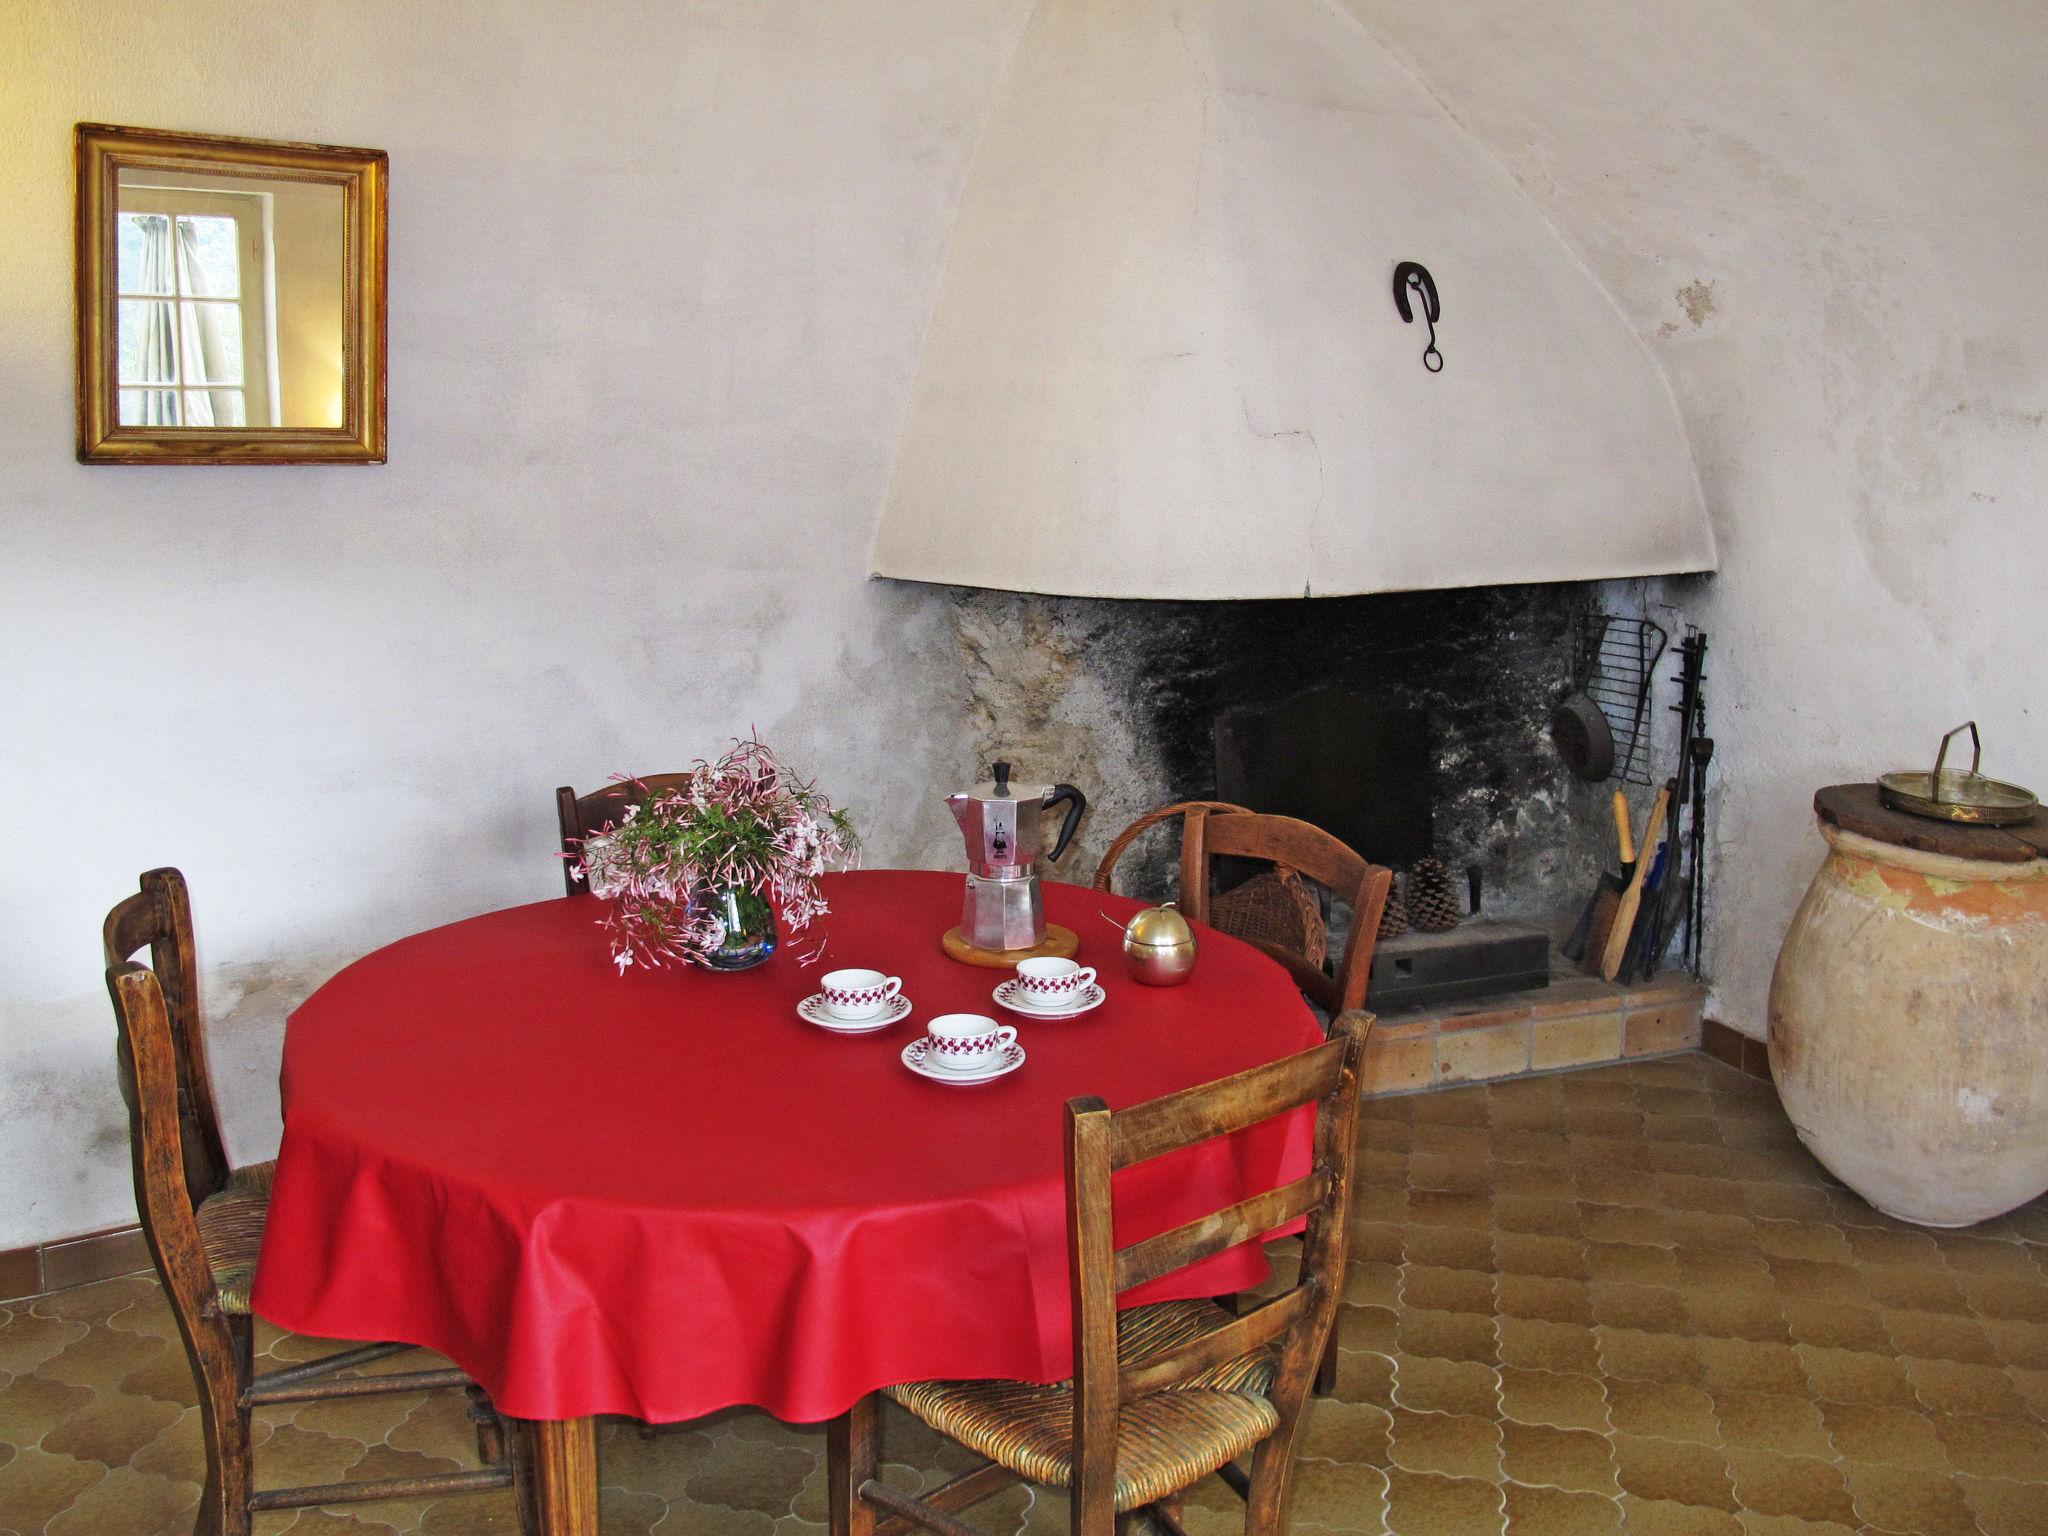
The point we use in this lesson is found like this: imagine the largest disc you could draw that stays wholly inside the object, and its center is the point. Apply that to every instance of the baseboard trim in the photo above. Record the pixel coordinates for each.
(1736, 1049)
(64, 1262)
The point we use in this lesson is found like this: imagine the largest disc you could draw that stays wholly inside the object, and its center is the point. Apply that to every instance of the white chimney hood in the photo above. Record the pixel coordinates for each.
(1165, 360)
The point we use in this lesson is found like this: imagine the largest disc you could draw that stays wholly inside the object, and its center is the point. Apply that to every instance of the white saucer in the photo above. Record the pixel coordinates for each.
(812, 1010)
(1008, 1059)
(1010, 995)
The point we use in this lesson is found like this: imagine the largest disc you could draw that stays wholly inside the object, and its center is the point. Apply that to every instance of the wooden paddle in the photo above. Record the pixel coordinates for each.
(1632, 893)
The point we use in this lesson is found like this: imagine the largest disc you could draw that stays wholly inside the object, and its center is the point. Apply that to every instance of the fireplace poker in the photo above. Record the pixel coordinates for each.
(1696, 914)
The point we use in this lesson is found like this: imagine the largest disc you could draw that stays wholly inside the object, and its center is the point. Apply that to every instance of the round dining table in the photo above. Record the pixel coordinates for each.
(662, 1192)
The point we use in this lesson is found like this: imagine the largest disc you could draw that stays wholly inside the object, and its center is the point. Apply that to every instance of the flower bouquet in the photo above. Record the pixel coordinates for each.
(699, 871)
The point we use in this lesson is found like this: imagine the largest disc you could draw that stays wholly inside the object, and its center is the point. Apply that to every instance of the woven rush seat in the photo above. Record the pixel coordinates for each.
(231, 1232)
(1165, 1440)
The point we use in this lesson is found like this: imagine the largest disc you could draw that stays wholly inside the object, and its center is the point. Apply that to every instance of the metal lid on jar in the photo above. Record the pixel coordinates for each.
(1158, 928)
(1951, 794)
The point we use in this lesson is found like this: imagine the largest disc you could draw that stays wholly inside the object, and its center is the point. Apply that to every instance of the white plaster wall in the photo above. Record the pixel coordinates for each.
(659, 274)
(1832, 222)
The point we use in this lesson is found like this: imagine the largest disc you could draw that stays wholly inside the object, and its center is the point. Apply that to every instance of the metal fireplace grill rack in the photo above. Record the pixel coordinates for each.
(1618, 657)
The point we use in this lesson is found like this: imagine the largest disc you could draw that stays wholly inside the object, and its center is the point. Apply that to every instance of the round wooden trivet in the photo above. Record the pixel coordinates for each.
(1059, 944)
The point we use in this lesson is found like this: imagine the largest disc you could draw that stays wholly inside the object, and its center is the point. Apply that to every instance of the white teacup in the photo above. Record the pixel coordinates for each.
(1051, 983)
(961, 1042)
(857, 994)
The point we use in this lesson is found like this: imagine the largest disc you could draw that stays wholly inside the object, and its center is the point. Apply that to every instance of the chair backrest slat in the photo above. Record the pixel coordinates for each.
(1220, 1108)
(1240, 1336)
(1212, 1234)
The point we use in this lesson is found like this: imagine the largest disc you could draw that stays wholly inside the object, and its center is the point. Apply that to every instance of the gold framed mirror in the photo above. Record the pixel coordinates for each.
(231, 298)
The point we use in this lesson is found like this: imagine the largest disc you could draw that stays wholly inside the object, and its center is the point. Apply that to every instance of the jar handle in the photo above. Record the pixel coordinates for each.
(1976, 754)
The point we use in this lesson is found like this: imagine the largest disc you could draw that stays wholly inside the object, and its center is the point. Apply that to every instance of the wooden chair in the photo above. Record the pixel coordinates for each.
(584, 816)
(1161, 1395)
(1215, 828)
(204, 1221)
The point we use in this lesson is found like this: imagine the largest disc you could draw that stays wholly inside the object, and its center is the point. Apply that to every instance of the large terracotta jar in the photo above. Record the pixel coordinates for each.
(1909, 1013)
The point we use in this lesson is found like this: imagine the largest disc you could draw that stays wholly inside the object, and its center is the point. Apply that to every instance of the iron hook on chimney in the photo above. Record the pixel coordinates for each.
(1412, 278)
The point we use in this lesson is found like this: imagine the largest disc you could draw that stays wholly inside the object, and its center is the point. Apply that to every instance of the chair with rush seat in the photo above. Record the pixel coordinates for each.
(1273, 910)
(204, 1223)
(582, 816)
(1161, 1395)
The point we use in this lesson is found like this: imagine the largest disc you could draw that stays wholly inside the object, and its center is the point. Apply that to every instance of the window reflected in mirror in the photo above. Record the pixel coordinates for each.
(238, 320)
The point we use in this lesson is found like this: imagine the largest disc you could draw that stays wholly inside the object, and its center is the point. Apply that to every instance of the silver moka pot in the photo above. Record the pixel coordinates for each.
(1003, 825)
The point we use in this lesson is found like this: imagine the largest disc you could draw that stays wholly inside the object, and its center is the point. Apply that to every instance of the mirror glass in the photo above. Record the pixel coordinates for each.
(230, 300)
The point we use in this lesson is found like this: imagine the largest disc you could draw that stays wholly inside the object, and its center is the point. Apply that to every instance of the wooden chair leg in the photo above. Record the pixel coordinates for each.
(1326, 1371)
(490, 1429)
(565, 1476)
(222, 1359)
(1272, 1479)
(852, 1456)
(519, 1447)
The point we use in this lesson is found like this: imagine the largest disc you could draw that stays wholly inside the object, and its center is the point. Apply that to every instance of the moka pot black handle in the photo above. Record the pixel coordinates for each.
(1076, 803)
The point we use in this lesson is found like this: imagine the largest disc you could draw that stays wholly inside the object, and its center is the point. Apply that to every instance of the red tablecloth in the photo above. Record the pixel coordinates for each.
(662, 1193)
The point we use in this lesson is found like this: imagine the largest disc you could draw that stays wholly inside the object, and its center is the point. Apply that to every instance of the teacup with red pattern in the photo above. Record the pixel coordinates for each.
(858, 994)
(1051, 983)
(965, 1042)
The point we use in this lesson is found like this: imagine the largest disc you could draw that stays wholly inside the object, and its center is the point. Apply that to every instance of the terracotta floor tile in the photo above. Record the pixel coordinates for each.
(1609, 1175)
(1565, 1400)
(1754, 1524)
(1666, 1471)
(2005, 1508)
(1738, 1315)
(1446, 1335)
(2008, 1448)
(1787, 1202)
(1333, 1496)
(1425, 1504)
(1365, 1376)
(2032, 1386)
(40, 1486)
(1572, 1459)
(1451, 1172)
(1523, 1253)
(1542, 1218)
(1634, 1263)
(1819, 1280)
(1939, 1336)
(1635, 1355)
(1546, 1149)
(1372, 1285)
(1702, 1192)
(1541, 1180)
(1879, 1245)
(1557, 1512)
(1377, 1242)
(1348, 1432)
(1449, 1247)
(1723, 1269)
(1768, 1421)
(1645, 1308)
(1624, 1224)
(1835, 1325)
(1582, 1120)
(1975, 1389)
(1452, 1444)
(1541, 1346)
(1915, 1289)
(1712, 1229)
(1662, 1408)
(1427, 1385)
(1656, 1517)
(1467, 1109)
(1968, 1255)
(1805, 1487)
(1447, 1290)
(1545, 1299)
(1884, 1436)
(1911, 1502)
(1998, 1296)
(2019, 1344)
(1372, 1328)
(1857, 1376)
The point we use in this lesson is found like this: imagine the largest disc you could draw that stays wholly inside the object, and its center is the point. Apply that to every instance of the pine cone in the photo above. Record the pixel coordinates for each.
(1393, 916)
(1432, 898)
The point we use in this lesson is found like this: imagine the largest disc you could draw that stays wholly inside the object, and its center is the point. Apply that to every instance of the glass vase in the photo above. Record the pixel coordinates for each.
(750, 935)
